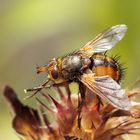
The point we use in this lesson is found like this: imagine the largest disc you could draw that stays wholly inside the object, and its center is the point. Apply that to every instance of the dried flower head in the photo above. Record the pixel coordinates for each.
(95, 119)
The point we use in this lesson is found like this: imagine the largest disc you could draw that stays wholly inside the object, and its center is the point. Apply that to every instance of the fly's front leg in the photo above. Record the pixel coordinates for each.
(37, 89)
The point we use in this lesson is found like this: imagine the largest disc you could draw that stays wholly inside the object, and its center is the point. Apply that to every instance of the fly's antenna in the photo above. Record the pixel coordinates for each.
(41, 69)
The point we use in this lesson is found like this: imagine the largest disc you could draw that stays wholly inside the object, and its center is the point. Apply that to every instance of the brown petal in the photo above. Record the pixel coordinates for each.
(26, 120)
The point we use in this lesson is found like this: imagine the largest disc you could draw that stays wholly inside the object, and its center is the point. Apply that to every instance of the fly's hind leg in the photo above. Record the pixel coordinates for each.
(99, 102)
(81, 101)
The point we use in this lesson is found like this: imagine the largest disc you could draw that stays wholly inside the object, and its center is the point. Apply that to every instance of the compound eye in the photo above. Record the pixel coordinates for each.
(54, 73)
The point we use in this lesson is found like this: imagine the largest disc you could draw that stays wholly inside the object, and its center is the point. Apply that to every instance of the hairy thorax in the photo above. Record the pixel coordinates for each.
(73, 66)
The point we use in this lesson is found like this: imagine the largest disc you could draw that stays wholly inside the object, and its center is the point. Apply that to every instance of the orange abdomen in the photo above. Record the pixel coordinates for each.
(103, 66)
(106, 70)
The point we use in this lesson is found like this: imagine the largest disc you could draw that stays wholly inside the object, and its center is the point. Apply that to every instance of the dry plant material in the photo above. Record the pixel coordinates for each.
(98, 120)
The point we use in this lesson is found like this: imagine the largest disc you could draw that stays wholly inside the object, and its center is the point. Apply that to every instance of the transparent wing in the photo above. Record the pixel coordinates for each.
(108, 89)
(105, 40)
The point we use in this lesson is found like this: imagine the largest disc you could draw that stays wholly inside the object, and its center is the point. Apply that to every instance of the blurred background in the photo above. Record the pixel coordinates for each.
(34, 31)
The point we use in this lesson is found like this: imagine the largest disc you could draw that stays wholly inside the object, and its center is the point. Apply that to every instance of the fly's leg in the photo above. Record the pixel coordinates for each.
(82, 90)
(39, 88)
(36, 89)
(99, 102)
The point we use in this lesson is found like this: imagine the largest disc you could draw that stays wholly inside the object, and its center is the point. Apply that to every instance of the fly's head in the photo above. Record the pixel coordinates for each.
(53, 69)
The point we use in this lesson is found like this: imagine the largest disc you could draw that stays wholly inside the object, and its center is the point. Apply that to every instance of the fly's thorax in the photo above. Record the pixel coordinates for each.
(103, 65)
(73, 65)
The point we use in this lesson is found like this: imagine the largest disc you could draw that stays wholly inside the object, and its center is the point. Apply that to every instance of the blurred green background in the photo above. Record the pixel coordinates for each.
(34, 31)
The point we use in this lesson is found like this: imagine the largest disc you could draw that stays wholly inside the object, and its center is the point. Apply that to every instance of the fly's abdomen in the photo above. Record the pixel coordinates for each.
(103, 66)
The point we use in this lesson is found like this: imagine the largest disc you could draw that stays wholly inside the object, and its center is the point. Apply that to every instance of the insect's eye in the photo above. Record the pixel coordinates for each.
(54, 73)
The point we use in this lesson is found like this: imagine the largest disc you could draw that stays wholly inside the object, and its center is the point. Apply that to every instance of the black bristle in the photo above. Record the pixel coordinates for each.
(121, 67)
